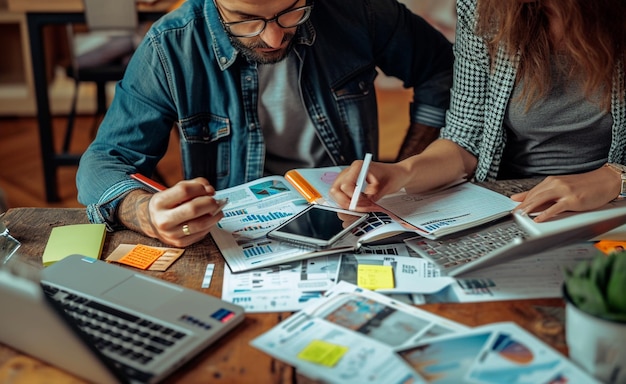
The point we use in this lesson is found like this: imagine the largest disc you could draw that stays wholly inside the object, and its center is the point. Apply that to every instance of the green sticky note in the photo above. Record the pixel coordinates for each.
(375, 276)
(82, 239)
(323, 353)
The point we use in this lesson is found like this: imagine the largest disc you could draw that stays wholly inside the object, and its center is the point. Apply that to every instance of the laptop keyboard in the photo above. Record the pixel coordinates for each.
(123, 337)
(450, 252)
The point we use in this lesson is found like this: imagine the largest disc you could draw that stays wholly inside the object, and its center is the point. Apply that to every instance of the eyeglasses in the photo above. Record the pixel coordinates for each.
(288, 18)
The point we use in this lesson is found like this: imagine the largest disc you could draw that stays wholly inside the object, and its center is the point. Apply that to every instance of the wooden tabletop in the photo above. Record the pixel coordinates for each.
(232, 359)
(63, 6)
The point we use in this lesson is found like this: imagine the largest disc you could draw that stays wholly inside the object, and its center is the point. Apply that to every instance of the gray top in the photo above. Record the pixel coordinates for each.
(563, 133)
(287, 128)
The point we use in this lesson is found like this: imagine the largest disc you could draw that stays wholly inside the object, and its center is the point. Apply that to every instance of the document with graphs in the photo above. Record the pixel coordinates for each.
(449, 210)
(256, 207)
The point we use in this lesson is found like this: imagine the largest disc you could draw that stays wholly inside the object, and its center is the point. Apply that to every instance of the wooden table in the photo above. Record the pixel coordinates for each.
(232, 359)
(40, 13)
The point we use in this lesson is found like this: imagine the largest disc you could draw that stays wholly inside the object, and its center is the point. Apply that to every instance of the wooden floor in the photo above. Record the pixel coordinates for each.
(21, 175)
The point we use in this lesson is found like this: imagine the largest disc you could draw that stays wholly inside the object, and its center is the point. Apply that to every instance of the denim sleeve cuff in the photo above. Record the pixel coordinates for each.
(104, 211)
(428, 115)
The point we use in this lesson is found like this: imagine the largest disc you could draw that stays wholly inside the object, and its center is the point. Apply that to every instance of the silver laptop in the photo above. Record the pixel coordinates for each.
(505, 240)
(109, 324)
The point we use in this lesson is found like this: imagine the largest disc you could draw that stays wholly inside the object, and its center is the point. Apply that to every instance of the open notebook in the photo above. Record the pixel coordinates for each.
(109, 324)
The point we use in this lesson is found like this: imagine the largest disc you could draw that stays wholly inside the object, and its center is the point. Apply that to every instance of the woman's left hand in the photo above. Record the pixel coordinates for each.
(580, 192)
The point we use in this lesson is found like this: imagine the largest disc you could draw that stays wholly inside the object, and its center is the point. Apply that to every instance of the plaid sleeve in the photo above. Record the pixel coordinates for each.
(479, 95)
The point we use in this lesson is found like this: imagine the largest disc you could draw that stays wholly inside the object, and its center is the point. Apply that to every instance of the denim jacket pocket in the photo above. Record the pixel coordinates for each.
(205, 147)
(359, 86)
(204, 129)
(356, 104)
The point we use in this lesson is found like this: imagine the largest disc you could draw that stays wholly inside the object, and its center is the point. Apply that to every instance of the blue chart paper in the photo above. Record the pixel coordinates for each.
(493, 354)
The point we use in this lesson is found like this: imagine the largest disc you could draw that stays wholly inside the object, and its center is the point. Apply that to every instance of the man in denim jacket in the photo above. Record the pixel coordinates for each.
(255, 87)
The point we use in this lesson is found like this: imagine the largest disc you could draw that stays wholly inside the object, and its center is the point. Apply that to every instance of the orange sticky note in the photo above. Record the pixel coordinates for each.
(141, 256)
(610, 246)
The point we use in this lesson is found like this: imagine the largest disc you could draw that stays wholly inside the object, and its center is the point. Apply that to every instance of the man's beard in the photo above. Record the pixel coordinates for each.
(249, 50)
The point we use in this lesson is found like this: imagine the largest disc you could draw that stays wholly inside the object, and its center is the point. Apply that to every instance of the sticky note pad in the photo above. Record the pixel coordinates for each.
(141, 256)
(610, 246)
(323, 353)
(82, 239)
(162, 263)
(375, 276)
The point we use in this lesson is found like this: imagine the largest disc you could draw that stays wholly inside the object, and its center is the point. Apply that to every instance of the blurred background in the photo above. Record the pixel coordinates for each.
(21, 170)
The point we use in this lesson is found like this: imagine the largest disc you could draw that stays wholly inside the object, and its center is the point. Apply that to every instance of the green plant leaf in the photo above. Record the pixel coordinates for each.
(586, 296)
(601, 268)
(616, 287)
(581, 270)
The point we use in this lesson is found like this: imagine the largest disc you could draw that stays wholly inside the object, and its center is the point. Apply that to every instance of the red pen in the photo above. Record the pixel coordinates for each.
(148, 182)
(156, 187)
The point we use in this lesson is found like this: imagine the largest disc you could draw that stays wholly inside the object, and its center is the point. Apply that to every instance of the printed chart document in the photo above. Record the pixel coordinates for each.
(350, 337)
(537, 276)
(492, 354)
(257, 207)
(281, 288)
(450, 210)
(410, 274)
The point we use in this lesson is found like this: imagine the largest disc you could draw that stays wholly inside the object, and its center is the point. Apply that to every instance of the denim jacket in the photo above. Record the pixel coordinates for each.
(186, 74)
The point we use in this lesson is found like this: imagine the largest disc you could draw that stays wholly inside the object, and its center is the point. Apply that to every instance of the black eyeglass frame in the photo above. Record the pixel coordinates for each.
(228, 25)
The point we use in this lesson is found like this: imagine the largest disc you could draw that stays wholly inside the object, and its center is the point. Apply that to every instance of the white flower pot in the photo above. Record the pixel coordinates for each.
(597, 345)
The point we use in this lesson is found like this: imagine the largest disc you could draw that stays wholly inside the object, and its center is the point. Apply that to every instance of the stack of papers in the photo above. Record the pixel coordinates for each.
(257, 207)
(358, 336)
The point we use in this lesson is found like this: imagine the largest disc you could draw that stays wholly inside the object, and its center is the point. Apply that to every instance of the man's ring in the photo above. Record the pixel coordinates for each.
(186, 230)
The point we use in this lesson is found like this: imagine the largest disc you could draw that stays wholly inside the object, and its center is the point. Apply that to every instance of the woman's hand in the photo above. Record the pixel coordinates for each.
(580, 192)
(382, 179)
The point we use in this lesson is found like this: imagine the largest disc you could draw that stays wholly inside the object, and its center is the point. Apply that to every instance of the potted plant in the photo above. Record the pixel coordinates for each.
(595, 325)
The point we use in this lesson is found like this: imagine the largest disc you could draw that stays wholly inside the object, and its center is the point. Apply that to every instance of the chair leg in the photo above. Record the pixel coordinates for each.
(70, 120)
(101, 97)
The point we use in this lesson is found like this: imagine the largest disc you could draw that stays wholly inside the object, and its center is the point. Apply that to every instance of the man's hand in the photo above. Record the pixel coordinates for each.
(180, 216)
(417, 138)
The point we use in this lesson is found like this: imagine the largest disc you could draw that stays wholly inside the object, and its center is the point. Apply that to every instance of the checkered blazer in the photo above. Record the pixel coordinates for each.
(479, 98)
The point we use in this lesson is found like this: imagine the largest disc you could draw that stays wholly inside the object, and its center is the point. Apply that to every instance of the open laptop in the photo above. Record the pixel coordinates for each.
(107, 323)
(507, 240)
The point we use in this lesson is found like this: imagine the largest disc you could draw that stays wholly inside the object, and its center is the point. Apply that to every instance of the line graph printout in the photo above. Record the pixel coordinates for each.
(254, 209)
(449, 210)
(259, 206)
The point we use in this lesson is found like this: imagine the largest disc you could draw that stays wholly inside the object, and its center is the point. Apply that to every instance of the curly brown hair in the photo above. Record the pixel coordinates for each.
(594, 41)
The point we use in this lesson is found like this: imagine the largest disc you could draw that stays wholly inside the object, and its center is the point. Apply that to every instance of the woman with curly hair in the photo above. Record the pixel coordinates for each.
(538, 90)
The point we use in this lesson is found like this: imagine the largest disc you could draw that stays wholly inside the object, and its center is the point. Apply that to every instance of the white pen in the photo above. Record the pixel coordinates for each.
(360, 181)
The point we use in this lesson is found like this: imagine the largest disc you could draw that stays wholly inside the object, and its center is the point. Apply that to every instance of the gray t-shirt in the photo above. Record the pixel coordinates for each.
(563, 133)
(291, 140)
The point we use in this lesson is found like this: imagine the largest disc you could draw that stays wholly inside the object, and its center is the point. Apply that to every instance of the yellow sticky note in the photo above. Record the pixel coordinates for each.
(82, 239)
(375, 276)
(141, 256)
(323, 353)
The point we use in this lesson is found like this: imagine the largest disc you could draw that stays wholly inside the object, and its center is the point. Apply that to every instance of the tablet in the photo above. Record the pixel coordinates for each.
(317, 226)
